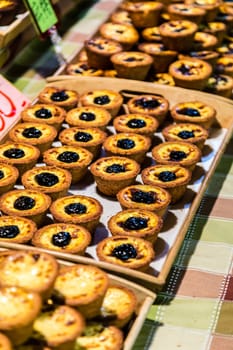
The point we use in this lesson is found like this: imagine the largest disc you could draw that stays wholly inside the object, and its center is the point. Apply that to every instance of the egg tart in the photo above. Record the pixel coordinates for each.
(181, 11)
(72, 158)
(8, 177)
(31, 204)
(131, 252)
(21, 155)
(224, 65)
(66, 238)
(64, 98)
(16, 229)
(36, 134)
(220, 84)
(52, 180)
(136, 223)
(88, 116)
(83, 68)
(125, 34)
(145, 197)
(114, 173)
(151, 34)
(5, 343)
(77, 209)
(108, 99)
(173, 178)
(219, 29)
(92, 285)
(121, 17)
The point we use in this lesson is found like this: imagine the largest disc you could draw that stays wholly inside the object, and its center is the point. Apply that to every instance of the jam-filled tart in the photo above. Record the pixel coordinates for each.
(181, 11)
(204, 41)
(209, 56)
(16, 229)
(64, 98)
(131, 252)
(114, 173)
(8, 177)
(125, 34)
(224, 65)
(83, 68)
(66, 238)
(220, 84)
(211, 8)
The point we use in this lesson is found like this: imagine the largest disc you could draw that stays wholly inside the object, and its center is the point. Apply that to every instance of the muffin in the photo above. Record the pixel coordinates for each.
(77, 209)
(65, 238)
(136, 223)
(88, 116)
(92, 285)
(8, 177)
(64, 98)
(181, 11)
(163, 78)
(220, 84)
(114, 173)
(130, 252)
(72, 158)
(124, 34)
(173, 178)
(145, 197)
(151, 34)
(16, 229)
(5, 343)
(83, 68)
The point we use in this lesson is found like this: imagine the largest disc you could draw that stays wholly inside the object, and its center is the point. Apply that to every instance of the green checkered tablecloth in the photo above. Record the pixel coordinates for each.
(194, 311)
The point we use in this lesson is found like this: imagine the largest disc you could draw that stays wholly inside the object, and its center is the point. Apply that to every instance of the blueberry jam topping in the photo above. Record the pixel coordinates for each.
(59, 96)
(46, 179)
(115, 168)
(167, 176)
(125, 143)
(191, 112)
(61, 239)
(102, 100)
(147, 103)
(136, 123)
(24, 203)
(135, 223)
(32, 133)
(68, 157)
(43, 113)
(124, 252)
(143, 197)
(184, 69)
(186, 134)
(75, 208)
(87, 116)
(14, 153)
(177, 155)
(82, 136)
(9, 231)
(1, 174)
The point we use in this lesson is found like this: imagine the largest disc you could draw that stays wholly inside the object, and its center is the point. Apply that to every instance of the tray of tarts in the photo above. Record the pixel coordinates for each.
(124, 175)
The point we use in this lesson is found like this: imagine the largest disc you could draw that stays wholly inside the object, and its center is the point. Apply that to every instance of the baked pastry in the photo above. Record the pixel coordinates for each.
(21, 155)
(64, 98)
(16, 229)
(36, 134)
(136, 223)
(44, 113)
(121, 17)
(8, 177)
(5, 343)
(136, 123)
(8, 10)
(27, 203)
(181, 11)
(130, 252)
(163, 78)
(226, 49)
(225, 14)
(154, 105)
(190, 73)
(77, 209)
(59, 327)
(177, 152)
(211, 8)
(224, 65)
(151, 34)
(131, 145)
(196, 112)
(92, 285)
(173, 178)
(18, 309)
(145, 197)
(132, 64)
(73, 158)
(125, 34)
(187, 132)
(52, 180)
(204, 41)
(88, 138)
(114, 173)
(205, 55)
(65, 238)
(218, 29)
(108, 99)
(220, 84)
(88, 116)
(83, 68)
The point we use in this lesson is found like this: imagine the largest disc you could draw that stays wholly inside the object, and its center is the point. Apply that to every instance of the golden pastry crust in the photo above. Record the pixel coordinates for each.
(220, 84)
(219, 29)
(8, 177)
(210, 6)
(66, 238)
(131, 252)
(114, 173)
(181, 11)
(152, 34)
(83, 68)
(121, 17)
(89, 116)
(224, 65)
(204, 41)
(64, 98)
(5, 343)
(135, 122)
(16, 229)
(125, 34)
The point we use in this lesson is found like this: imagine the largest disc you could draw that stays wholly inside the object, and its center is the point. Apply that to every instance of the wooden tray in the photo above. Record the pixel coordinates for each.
(180, 215)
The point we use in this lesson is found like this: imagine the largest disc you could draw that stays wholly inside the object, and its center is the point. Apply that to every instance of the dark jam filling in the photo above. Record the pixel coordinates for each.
(24, 203)
(136, 123)
(177, 155)
(145, 103)
(32, 133)
(46, 179)
(75, 208)
(84, 67)
(61, 239)
(115, 168)
(97, 45)
(199, 54)
(135, 223)
(88, 117)
(43, 113)
(143, 197)
(167, 176)
(185, 69)
(218, 79)
(132, 59)
(14, 153)
(124, 252)
(9, 231)
(68, 157)
(126, 144)
(59, 96)
(186, 134)
(2, 175)
(191, 112)
(82, 136)
(102, 100)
